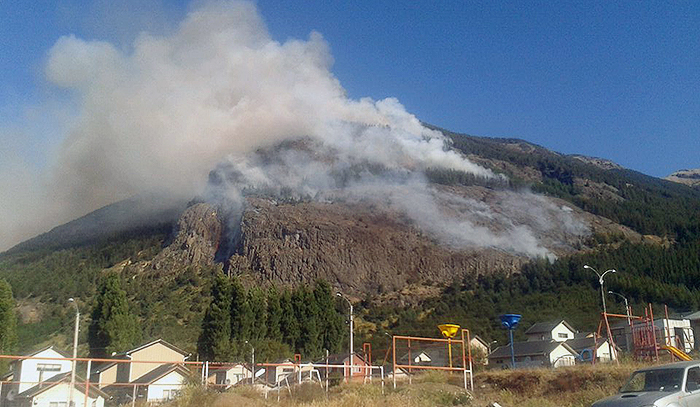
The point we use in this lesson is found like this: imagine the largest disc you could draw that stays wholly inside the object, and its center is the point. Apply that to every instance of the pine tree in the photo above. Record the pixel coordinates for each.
(289, 324)
(215, 339)
(331, 321)
(8, 320)
(241, 313)
(113, 327)
(258, 306)
(306, 310)
(274, 315)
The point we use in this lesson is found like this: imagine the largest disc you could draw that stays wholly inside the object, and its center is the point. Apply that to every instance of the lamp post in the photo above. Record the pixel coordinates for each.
(627, 307)
(352, 328)
(252, 361)
(75, 352)
(600, 280)
(602, 296)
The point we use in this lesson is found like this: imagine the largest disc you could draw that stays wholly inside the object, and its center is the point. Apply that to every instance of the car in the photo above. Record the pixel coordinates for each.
(672, 385)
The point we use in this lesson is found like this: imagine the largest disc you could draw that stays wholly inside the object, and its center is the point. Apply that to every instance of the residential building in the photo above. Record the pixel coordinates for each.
(559, 331)
(140, 361)
(45, 382)
(588, 347)
(532, 353)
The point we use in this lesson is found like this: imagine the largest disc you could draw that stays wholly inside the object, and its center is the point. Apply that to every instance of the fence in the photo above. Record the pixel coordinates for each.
(45, 378)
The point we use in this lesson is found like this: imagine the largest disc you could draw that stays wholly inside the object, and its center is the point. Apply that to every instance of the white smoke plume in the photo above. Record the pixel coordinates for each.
(162, 114)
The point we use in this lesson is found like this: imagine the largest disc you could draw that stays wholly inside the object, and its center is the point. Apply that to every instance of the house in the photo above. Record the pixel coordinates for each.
(480, 349)
(278, 371)
(558, 331)
(39, 382)
(433, 356)
(121, 371)
(359, 370)
(161, 384)
(56, 393)
(533, 354)
(584, 347)
(694, 319)
(224, 376)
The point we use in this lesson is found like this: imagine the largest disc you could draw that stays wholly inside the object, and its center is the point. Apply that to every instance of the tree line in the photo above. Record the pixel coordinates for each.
(276, 322)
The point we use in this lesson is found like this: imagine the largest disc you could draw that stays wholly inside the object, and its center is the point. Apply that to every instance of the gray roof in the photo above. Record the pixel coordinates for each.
(438, 356)
(161, 371)
(692, 316)
(58, 379)
(528, 348)
(546, 327)
(579, 344)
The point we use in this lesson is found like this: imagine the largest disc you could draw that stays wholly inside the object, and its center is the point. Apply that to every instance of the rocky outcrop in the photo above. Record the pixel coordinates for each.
(196, 239)
(687, 177)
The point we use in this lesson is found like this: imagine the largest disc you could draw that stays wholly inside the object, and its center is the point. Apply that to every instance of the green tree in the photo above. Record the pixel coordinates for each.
(258, 307)
(307, 313)
(330, 320)
(215, 339)
(241, 313)
(113, 327)
(289, 324)
(274, 315)
(8, 322)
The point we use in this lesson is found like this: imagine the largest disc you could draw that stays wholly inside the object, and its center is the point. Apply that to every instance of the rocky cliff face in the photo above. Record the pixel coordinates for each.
(687, 177)
(358, 247)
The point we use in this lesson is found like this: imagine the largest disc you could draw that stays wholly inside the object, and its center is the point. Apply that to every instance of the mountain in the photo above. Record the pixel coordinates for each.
(687, 177)
(448, 245)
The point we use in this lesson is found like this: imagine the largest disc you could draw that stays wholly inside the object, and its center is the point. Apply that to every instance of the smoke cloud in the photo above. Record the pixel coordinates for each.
(218, 92)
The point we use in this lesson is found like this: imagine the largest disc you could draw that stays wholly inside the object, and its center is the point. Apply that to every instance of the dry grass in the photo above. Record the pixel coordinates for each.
(565, 387)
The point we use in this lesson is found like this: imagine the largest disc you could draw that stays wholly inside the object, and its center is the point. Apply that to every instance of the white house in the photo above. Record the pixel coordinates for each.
(27, 373)
(224, 376)
(56, 393)
(161, 384)
(533, 354)
(584, 347)
(558, 331)
(45, 382)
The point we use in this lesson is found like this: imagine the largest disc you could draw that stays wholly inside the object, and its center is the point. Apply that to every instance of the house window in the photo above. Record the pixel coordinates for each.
(166, 394)
(563, 335)
(48, 367)
(58, 404)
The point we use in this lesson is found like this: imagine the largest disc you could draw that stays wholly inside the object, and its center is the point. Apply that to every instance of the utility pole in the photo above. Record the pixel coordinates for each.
(75, 352)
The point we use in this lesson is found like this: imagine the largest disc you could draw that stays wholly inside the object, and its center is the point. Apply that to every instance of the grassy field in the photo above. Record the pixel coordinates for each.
(564, 387)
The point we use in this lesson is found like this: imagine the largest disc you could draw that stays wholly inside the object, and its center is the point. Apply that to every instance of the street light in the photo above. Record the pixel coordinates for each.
(75, 352)
(252, 364)
(627, 308)
(352, 347)
(602, 296)
(600, 280)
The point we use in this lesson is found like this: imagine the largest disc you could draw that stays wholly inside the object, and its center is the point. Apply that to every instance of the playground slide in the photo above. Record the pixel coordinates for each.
(677, 352)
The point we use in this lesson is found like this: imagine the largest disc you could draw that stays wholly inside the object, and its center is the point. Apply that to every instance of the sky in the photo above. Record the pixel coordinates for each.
(615, 80)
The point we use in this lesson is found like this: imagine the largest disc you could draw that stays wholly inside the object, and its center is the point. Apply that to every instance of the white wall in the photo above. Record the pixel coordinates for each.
(30, 369)
(563, 330)
(173, 381)
(60, 394)
(560, 356)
